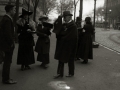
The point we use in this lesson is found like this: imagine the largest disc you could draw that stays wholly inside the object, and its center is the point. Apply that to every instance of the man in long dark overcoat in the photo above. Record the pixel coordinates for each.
(7, 42)
(66, 45)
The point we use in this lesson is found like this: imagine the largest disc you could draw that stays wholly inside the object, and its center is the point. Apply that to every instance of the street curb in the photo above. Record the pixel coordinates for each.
(109, 48)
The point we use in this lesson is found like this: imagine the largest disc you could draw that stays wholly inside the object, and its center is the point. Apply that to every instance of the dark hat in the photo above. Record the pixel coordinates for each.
(43, 17)
(46, 24)
(8, 7)
(67, 13)
(78, 19)
(25, 12)
(88, 19)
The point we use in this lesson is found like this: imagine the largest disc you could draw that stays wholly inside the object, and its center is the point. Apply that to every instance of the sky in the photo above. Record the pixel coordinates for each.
(88, 7)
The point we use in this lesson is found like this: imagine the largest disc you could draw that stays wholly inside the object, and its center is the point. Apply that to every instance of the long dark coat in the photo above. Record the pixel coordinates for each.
(6, 34)
(66, 43)
(43, 44)
(85, 48)
(26, 43)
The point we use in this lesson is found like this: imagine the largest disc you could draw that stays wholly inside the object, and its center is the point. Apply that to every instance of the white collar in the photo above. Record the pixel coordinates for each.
(70, 21)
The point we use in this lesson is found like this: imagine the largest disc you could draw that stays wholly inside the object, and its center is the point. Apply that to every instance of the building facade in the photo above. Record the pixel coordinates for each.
(113, 17)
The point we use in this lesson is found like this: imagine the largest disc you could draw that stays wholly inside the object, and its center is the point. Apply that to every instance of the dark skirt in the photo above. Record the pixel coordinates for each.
(44, 58)
(25, 55)
(85, 50)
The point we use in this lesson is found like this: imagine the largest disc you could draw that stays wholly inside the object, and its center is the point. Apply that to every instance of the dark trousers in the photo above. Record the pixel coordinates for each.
(71, 67)
(6, 66)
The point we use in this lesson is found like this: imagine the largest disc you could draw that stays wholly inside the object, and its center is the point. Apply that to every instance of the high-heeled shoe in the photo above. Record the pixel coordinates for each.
(58, 76)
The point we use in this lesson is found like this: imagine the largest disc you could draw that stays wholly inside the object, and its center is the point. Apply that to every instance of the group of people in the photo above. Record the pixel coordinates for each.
(73, 41)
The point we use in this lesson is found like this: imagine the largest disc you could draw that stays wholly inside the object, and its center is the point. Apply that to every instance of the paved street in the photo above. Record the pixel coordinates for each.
(109, 38)
(101, 73)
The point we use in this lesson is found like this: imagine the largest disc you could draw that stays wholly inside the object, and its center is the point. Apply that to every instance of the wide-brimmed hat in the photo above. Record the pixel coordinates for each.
(43, 17)
(67, 13)
(46, 24)
(25, 12)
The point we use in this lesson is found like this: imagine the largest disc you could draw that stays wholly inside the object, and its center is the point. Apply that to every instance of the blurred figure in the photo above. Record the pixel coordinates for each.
(66, 45)
(43, 43)
(26, 40)
(7, 42)
(85, 48)
(80, 35)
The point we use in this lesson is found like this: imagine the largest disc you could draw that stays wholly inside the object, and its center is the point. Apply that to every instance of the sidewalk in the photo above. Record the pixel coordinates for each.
(109, 38)
(101, 73)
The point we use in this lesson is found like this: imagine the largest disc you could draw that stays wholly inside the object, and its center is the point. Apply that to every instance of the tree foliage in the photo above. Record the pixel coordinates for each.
(40, 6)
(47, 6)
(64, 5)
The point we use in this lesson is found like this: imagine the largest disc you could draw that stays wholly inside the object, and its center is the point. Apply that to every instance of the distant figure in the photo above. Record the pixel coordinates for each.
(85, 48)
(26, 41)
(66, 45)
(80, 35)
(43, 43)
(7, 42)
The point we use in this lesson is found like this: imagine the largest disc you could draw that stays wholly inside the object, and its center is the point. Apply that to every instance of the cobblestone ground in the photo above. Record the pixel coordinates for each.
(109, 38)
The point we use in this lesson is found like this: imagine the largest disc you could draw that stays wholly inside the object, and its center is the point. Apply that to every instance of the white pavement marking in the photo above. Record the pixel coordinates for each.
(59, 85)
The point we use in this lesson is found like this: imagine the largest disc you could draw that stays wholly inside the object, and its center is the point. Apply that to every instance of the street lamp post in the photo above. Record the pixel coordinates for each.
(81, 10)
(95, 45)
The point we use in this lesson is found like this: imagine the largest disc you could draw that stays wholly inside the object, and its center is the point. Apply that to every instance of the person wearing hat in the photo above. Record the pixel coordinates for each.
(66, 46)
(7, 42)
(80, 35)
(85, 48)
(43, 43)
(25, 55)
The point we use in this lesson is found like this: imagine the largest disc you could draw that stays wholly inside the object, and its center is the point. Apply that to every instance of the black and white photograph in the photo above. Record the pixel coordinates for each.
(59, 44)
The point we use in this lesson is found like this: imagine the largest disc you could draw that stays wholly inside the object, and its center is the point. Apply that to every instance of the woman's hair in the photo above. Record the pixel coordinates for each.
(88, 20)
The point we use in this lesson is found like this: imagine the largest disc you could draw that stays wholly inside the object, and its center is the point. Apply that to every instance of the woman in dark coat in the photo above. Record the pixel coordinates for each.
(26, 42)
(43, 43)
(85, 49)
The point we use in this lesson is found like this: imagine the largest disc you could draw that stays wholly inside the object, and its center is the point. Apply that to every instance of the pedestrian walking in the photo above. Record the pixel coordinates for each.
(43, 43)
(7, 43)
(85, 48)
(26, 41)
(66, 45)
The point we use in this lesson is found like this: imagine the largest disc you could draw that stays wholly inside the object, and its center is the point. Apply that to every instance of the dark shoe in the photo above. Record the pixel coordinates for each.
(10, 81)
(85, 62)
(70, 75)
(78, 58)
(22, 67)
(27, 67)
(58, 76)
(44, 66)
